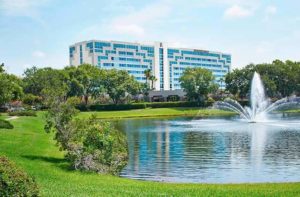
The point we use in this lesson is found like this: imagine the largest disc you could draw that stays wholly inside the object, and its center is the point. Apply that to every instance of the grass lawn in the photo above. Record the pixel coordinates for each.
(149, 112)
(292, 111)
(34, 150)
(3, 116)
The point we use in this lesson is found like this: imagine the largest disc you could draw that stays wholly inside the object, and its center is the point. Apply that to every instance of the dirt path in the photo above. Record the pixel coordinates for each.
(12, 118)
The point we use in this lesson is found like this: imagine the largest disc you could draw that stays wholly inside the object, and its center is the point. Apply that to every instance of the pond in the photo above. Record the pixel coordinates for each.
(213, 150)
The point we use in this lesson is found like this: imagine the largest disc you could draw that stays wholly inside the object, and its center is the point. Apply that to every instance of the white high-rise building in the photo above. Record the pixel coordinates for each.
(167, 63)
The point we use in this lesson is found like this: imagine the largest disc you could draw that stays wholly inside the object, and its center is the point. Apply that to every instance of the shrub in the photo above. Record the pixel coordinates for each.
(113, 107)
(244, 102)
(14, 181)
(22, 113)
(82, 107)
(210, 100)
(101, 148)
(90, 144)
(74, 101)
(4, 124)
(173, 98)
(172, 104)
(30, 99)
(3, 109)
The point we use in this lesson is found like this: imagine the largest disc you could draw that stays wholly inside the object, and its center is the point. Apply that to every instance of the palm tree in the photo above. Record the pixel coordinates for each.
(153, 79)
(147, 74)
(221, 80)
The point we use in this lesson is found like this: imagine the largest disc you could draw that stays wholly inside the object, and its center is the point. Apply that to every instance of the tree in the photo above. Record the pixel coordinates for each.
(47, 83)
(221, 81)
(280, 79)
(238, 82)
(2, 70)
(31, 81)
(85, 81)
(119, 84)
(10, 88)
(198, 83)
(148, 74)
(152, 79)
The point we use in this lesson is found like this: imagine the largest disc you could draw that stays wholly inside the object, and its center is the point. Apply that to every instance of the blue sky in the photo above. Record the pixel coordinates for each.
(38, 32)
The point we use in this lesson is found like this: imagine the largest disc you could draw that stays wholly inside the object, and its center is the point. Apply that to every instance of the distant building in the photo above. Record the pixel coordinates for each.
(166, 63)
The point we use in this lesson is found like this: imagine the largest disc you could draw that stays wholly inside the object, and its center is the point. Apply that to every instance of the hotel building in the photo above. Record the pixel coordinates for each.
(167, 63)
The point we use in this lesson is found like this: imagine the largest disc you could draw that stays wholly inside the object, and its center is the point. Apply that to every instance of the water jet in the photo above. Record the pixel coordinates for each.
(260, 104)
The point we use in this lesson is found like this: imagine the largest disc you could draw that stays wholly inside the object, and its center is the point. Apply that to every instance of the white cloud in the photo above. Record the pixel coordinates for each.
(136, 23)
(39, 54)
(237, 11)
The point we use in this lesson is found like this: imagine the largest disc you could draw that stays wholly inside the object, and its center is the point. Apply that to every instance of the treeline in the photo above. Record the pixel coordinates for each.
(87, 84)
(84, 82)
(280, 79)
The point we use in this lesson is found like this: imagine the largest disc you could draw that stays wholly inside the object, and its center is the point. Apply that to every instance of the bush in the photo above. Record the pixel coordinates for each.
(210, 100)
(173, 98)
(14, 181)
(244, 102)
(171, 104)
(4, 124)
(3, 109)
(22, 113)
(30, 99)
(112, 107)
(90, 145)
(101, 148)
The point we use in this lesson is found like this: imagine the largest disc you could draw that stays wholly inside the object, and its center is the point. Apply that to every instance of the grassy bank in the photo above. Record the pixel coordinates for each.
(34, 150)
(156, 112)
(292, 111)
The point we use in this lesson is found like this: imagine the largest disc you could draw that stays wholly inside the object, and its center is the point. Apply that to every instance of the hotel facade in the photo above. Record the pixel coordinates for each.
(167, 63)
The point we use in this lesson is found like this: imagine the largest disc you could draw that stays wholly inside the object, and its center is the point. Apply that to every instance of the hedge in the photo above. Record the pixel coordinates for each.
(113, 107)
(14, 181)
(22, 113)
(4, 124)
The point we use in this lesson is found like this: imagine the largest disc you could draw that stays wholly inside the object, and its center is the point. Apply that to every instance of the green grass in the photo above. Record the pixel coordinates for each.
(292, 111)
(3, 116)
(155, 112)
(34, 150)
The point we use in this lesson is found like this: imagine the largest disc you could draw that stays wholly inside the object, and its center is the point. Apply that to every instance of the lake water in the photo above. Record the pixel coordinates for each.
(214, 150)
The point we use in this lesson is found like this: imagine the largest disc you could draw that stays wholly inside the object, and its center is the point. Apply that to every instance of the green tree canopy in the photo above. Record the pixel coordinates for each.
(85, 81)
(47, 82)
(119, 84)
(197, 83)
(10, 87)
(2, 70)
(281, 79)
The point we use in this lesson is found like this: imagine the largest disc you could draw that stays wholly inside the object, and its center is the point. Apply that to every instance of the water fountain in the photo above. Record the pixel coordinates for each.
(260, 104)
